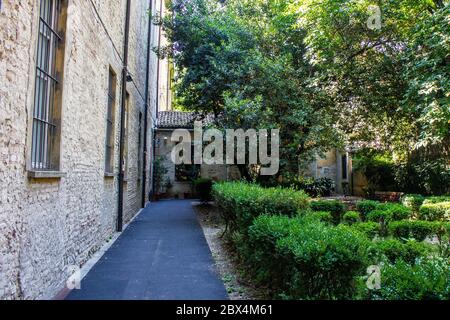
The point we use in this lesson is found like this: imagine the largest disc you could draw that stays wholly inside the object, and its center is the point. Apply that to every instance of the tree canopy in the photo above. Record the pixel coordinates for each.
(319, 73)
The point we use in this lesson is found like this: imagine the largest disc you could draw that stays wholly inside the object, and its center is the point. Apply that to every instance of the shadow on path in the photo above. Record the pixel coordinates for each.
(162, 255)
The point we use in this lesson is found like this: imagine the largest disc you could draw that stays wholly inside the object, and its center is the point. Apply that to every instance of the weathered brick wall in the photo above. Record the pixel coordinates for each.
(47, 225)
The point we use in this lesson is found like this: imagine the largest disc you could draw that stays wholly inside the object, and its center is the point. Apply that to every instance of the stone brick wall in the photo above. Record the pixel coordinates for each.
(48, 225)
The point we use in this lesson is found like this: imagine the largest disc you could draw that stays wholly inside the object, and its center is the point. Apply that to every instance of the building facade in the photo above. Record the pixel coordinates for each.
(177, 180)
(64, 117)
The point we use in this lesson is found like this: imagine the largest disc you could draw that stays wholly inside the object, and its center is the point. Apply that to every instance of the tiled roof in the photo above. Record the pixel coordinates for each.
(180, 120)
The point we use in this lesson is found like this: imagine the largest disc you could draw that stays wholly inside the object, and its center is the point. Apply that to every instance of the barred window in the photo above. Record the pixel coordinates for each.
(109, 157)
(47, 102)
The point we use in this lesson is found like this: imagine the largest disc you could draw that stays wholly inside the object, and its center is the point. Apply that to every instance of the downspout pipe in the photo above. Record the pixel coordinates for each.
(147, 85)
(122, 116)
(157, 103)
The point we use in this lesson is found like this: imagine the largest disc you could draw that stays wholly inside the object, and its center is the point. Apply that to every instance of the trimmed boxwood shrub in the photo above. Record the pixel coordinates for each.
(380, 216)
(437, 199)
(303, 259)
(426, 280)
(418, 230)
(241, 202)
(397, 211)
(351, 217)
(203, 188)
(413, 201)
(369, 229)
(335, 207)
(325, 261)
(367, 206)
(410, 251)
(389, 212)
(322, 216)
(259, 250)
(435, 211)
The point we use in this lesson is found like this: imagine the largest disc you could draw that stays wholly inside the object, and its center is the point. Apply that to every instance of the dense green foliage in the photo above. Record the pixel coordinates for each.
(336, 208)
(435, 211)
(418, 230)
(298, 253)
(426, 280)
(369, 229)
(302, 66)
(397, 211)
(322, 216)
(322, 187)
(407, 251)
(413, 201)
(437, 199)
(304, 259)
(367, 206)
(351, 217)
(242, 202)
(203, 188)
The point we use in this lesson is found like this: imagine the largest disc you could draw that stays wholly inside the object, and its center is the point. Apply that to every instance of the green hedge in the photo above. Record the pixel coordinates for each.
(322, 216)
(380, 216)
(303, 259)
(413, 201)
(351, 217)
(335, 207)
(396, 211)
(367, 206)
(418, 230)
(410, 251)
(426, 280)
(369, 229)
(241, 202)
(437, 199)
(435, 211)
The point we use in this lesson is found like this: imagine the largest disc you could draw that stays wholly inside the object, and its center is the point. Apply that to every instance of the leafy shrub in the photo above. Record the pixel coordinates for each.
(438, 199)
(334, 206)
(413, 201)
(241, 202)
(397, 211)
(351, 217)
(203, 187)
(379, 169)
(411, 250)
(322, 216)
(367, 206)
(418, 230)
(325, 261)
(424, 175)
(370, 229)
(380, 216)
(260, 250)
(435, 211)
(322, 187)
(303, 259)
(388, 212)
(426, 280)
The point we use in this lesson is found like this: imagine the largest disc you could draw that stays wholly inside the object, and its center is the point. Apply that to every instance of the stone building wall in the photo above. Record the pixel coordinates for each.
(330, 166)
(185, 189)
(48, 225)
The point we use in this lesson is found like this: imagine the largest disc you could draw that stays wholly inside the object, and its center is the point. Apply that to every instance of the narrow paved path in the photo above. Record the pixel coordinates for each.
(162, 255)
